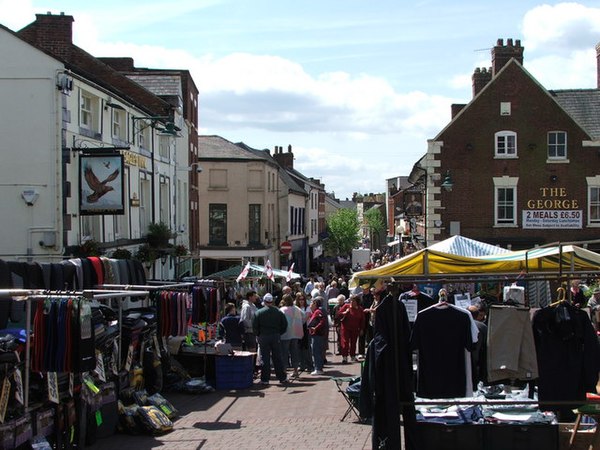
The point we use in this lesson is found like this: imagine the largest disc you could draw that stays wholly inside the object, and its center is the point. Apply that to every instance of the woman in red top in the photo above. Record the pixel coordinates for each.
(352, 318)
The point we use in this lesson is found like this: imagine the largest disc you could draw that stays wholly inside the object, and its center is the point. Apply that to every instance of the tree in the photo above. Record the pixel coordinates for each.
(376, 224)
(343, 228)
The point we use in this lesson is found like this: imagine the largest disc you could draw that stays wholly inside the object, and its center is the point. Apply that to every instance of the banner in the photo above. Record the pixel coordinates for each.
(244, 273)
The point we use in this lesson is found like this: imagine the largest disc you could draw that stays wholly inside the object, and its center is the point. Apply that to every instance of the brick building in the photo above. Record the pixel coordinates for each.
(519, 165)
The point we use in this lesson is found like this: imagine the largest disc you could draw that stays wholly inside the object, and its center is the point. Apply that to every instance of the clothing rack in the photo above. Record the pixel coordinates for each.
(27, 295)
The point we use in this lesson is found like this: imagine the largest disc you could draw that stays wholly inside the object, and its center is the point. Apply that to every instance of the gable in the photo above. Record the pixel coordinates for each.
(530, 105)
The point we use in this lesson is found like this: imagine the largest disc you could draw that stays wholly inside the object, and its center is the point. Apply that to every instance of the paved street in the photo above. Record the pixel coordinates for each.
(304, 414)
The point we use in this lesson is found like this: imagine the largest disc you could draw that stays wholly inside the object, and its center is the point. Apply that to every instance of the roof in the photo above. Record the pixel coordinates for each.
(216, 147)
(53, 35)
(255, 271)
(432, 261)
(159, 84)
(583, 105)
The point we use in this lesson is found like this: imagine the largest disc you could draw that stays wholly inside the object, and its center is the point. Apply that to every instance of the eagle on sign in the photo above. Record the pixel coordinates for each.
(98, 187)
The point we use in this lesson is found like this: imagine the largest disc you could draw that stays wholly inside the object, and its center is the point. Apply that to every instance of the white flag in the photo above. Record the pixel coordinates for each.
(290, 272)
(269, 271)
(244, 273)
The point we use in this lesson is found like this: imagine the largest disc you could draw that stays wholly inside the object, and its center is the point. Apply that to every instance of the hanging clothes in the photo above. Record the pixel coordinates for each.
(386, 390)
(568, 356)
(511, 348)
(63, 336)
(444, 337)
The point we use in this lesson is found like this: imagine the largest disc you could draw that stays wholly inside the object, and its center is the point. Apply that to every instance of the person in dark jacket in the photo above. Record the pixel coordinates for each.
(269, 324)
(230, 327)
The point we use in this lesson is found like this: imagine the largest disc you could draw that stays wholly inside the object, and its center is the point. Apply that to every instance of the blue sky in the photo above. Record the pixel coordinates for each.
(355, 86)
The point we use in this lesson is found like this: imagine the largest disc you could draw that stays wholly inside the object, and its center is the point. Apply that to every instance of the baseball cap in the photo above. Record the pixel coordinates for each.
(268, 298)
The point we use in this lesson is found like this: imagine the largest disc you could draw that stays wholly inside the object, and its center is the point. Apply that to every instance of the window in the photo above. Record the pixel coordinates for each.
(88, 113)
(144, 134)
(557, 145)
(164, 147)
(119, 128)
(505, 108)
(254, 224)
(505, 201)
(217, 224)
(594, 204)
(145, 202)
(165, 204)
(506, 144)
(91, 228)
(505, 205)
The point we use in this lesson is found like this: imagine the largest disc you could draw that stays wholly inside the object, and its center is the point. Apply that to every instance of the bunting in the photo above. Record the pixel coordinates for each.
(244, 273)
(290, 272)
(269, 271)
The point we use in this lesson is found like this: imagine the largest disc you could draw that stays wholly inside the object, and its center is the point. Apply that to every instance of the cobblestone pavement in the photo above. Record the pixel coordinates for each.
(303, 414)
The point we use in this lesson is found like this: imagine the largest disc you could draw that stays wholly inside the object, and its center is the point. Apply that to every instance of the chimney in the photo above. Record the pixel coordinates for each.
(598, 65)
(285, 160)
(53, 33)
(502, 54)
(481, 77)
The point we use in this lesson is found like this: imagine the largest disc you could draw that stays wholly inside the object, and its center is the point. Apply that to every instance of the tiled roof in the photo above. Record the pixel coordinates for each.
(216, 147)
(158, 84)
(583, 105)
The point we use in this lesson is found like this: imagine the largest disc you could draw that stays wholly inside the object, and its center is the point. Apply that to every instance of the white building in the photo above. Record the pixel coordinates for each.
(87, 154)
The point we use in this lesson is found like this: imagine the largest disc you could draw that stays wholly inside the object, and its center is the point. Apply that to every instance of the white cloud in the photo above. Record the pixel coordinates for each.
(561, 28)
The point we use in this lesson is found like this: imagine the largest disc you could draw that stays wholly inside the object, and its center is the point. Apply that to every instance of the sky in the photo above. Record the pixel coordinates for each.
(356, 87)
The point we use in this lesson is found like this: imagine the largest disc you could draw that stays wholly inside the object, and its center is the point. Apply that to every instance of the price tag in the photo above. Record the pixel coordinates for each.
(166, 409)
(4, 398)
(100, 366)
(129, 360)
(53, 394)
(98, 418)
(19, 386)
(87, 380)
(411, 309)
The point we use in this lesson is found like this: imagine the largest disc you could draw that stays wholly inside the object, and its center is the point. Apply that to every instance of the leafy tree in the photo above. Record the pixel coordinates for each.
(343, 228)
(376, 224)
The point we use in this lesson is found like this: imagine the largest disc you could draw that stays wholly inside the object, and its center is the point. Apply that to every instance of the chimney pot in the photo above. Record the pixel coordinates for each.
(500, 42)
(509, 42)
(289, 148)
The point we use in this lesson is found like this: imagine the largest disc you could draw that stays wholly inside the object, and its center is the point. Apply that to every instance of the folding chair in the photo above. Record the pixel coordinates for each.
(351, 398)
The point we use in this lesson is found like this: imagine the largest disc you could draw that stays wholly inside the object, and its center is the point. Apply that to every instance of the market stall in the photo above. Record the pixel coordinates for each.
(461, 261)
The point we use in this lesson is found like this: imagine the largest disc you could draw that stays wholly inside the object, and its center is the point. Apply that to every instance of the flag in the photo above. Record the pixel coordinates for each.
(269, 271)
(244, 273)
(290, 272)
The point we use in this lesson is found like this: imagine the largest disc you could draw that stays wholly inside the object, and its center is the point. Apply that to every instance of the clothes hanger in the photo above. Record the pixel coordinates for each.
(560, 298)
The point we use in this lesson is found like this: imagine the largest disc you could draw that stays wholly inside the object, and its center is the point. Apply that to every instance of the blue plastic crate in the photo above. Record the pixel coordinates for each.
(233, 372)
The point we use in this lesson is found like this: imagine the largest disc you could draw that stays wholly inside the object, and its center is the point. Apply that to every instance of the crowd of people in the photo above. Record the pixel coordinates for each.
(289, 329)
